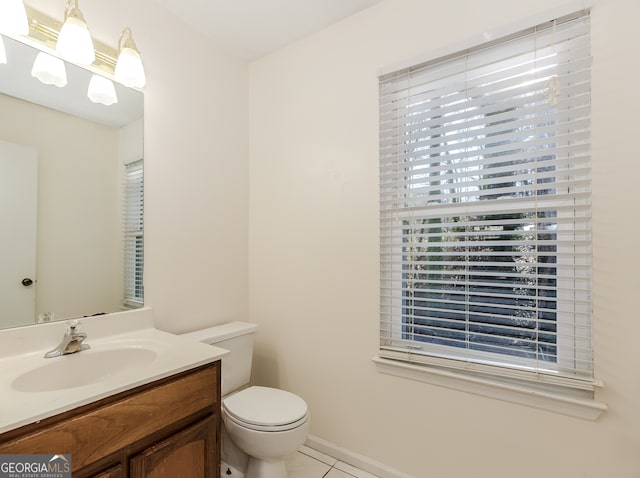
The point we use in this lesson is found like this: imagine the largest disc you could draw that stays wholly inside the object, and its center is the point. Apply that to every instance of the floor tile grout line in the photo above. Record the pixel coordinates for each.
(314, 458)
(331, 467)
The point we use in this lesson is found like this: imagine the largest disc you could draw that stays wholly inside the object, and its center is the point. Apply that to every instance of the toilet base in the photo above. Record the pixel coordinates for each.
(265, 469)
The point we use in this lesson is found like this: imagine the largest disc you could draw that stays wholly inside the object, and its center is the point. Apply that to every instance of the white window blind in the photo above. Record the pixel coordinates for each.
(485, 207)
(133, 235)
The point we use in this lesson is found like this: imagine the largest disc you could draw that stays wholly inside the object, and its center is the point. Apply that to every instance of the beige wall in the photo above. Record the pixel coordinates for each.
(78, 247)
(196, 164)
(313, 251)
(313, 248)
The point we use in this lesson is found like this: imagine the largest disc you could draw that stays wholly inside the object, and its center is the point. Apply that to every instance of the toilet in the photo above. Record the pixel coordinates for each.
(265, 424)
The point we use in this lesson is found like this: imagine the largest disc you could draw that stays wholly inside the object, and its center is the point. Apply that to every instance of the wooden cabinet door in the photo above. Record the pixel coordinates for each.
(190, 453)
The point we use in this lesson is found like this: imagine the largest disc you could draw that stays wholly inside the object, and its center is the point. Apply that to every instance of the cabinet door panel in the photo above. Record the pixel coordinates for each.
(190, 453)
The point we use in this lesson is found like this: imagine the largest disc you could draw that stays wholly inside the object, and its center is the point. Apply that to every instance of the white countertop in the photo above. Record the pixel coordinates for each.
(23, 350)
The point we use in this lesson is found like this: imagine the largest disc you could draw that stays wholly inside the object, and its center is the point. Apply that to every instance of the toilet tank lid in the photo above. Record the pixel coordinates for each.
(222, 332)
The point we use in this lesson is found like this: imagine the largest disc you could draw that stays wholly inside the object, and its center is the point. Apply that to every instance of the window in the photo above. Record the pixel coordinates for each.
(133, 235)
(485, 208)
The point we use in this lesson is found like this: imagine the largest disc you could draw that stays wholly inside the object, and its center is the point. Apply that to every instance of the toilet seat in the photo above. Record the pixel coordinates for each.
(266, 409)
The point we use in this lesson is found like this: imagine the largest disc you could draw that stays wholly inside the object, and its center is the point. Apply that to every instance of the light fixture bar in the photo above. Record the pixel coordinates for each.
(44, 29)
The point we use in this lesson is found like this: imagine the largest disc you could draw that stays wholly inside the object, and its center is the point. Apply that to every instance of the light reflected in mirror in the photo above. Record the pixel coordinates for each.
(69, 169)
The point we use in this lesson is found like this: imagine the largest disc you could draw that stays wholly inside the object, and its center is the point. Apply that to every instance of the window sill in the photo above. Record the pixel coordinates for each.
(514, 392)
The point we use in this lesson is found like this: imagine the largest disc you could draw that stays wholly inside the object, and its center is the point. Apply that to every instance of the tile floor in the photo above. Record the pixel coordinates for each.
(308, 463)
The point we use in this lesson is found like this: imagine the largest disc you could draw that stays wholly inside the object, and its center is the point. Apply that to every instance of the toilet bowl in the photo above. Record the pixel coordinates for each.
(268, 424)
(264, 425)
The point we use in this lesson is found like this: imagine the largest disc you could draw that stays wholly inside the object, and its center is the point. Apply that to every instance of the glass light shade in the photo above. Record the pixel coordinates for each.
(129, 70)
(75, 43)
(3, 52)
(13, 18)
(49, 70)
(102, 91)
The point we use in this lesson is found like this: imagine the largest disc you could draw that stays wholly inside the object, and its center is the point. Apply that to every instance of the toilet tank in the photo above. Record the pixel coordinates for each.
(237, 338)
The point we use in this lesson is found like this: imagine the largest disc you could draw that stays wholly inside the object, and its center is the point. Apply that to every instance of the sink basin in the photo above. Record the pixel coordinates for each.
(80, 369)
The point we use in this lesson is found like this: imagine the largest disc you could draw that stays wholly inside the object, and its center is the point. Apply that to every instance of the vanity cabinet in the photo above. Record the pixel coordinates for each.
(166, 429)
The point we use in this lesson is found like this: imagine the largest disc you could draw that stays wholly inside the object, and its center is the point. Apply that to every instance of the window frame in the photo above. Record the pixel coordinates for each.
(572, 397)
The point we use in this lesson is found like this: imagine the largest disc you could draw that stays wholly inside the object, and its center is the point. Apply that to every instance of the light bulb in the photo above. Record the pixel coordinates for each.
(129, 70)
(102, 91)
(13, 18)
(74, 41)
(3, 52)
(49, 70)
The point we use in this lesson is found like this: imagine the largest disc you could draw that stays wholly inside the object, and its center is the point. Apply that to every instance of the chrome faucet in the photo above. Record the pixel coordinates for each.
(71, 342)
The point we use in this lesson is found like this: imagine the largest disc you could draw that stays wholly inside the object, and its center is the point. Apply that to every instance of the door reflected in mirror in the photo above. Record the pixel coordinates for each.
(70, 169)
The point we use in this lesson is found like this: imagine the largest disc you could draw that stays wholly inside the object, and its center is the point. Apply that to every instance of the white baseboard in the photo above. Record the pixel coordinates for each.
(354, 459)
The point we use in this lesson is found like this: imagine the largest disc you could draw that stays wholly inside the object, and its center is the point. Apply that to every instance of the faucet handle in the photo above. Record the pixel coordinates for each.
(72, 325)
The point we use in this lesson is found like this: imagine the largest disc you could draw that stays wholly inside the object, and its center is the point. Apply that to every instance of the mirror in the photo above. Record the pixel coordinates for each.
(66, 167)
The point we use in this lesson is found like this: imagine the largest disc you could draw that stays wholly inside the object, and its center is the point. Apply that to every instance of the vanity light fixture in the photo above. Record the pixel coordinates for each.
(13, 18)
(74, 41)
(102, 90)
(129, 70)
(49, 70)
